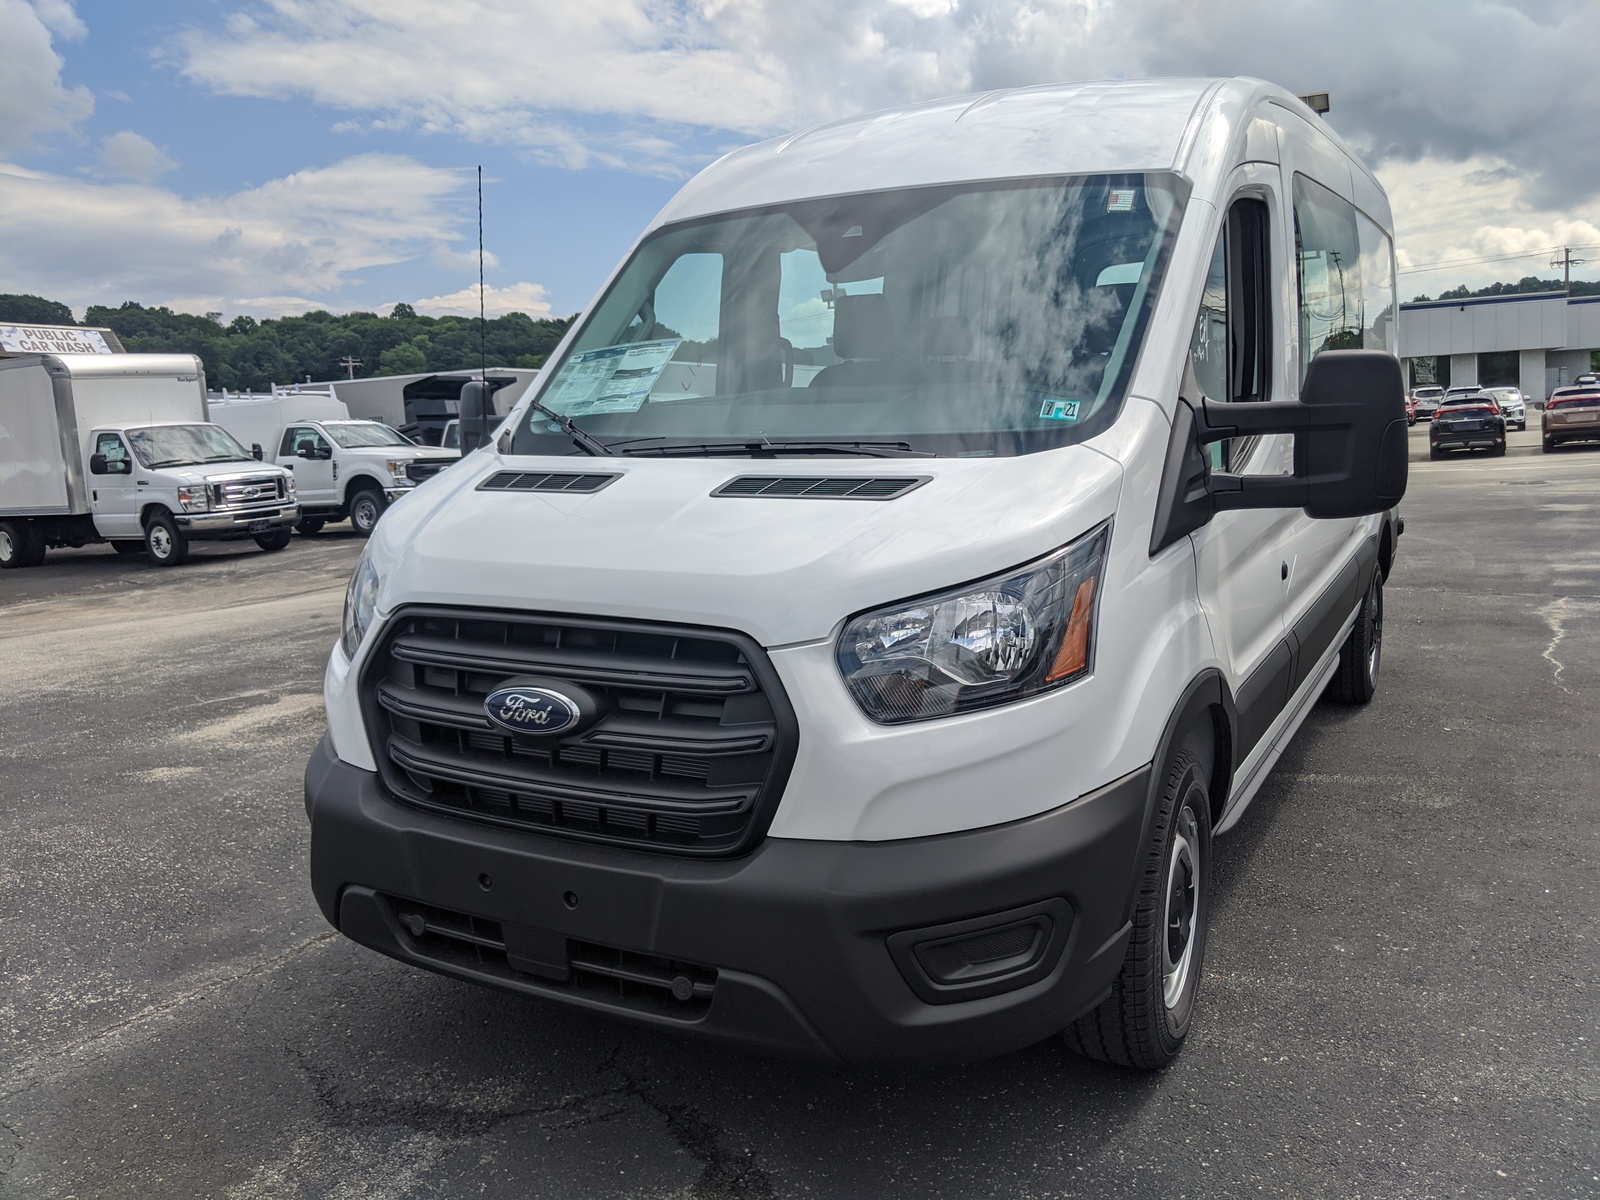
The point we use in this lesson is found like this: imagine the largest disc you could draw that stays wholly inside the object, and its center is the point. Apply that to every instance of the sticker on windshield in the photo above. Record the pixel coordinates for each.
(611, 379)
(1059, 410)
(1120, 200)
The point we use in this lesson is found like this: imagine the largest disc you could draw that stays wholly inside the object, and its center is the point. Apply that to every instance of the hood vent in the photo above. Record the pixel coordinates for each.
(813, 487)
(545, 481)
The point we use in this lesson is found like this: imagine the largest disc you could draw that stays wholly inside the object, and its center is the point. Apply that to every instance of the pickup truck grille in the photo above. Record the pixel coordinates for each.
(248, 492)
(419, 469)
(690, 757)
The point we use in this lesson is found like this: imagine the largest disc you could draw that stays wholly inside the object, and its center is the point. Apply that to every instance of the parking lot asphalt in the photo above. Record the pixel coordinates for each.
(1400, 999)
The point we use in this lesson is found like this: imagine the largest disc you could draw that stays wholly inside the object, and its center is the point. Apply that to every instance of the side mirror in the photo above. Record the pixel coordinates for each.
(1350, 447)
(476, 412)
(256, 452)
(305, 452)
(323, 452)
(97, 465)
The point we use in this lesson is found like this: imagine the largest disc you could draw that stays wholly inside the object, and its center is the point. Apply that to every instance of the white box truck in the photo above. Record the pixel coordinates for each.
(116, 448)
(344, 468)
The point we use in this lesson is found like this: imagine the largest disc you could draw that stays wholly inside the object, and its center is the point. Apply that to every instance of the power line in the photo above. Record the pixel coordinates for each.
(1566, 262)
(1445, 264)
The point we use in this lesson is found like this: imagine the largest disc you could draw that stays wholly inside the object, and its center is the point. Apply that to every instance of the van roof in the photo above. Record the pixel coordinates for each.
(1055, 129)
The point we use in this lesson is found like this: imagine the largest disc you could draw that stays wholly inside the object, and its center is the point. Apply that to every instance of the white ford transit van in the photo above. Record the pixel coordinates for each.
(923, 546)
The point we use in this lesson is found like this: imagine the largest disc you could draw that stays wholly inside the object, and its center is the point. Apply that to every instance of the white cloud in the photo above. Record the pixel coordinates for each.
(301, 235)
(33, 100)
(1452, 213)
(449, 258)
(618, 82)
(529, 298)
(134, 157)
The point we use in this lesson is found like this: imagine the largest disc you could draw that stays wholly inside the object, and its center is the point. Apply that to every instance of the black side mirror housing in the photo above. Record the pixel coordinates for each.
(97, 465)
(256, 452)
(1351, 449)
(305, 451)
(476, 411)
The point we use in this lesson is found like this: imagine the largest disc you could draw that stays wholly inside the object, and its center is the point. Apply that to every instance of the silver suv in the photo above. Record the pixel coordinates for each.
(1512, 405)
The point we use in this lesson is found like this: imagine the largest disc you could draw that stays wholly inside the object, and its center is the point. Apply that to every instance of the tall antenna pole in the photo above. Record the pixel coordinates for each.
(483, 328)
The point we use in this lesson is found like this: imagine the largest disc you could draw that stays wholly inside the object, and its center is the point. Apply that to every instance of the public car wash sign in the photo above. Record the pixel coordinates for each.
(55, 339)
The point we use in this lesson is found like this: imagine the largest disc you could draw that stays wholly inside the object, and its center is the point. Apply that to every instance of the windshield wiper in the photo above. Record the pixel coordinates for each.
(584, 442)
(173, 462)
(763, 449)
(228, 458)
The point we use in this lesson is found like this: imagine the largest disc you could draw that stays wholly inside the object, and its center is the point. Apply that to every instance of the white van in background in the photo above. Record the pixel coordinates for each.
(114, 447)
(878, 692)
(343, 468)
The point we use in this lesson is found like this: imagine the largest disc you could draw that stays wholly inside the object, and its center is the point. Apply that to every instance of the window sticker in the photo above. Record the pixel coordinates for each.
(1059, 410)
(611, 379)
(1120, 199)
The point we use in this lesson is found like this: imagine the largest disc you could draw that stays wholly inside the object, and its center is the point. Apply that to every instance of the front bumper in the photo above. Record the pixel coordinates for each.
(807, 947)
(231, 523)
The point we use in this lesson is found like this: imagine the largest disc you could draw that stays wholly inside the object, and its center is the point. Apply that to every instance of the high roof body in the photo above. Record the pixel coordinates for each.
(1195, 127)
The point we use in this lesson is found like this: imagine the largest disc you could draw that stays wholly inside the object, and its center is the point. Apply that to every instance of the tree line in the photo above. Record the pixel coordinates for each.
(247, 354)
(1528, 283)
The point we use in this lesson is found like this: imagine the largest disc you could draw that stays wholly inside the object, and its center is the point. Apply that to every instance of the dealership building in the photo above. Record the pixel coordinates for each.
(1537, 341)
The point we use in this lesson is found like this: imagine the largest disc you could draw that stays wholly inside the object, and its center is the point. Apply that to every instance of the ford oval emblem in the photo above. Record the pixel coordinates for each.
(532, 710)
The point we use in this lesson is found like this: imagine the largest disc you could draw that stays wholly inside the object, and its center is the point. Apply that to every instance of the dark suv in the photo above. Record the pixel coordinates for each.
(1467, 422)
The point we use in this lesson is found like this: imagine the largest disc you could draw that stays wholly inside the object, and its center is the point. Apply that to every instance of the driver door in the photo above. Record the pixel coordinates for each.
(113, 496)
(307, 452)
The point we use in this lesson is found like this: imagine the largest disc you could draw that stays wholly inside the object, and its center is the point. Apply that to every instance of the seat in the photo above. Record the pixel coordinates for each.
(864, 336)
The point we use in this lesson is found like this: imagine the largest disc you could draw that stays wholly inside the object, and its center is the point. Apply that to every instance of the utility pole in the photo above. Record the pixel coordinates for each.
(350, 364)
(1566, 262)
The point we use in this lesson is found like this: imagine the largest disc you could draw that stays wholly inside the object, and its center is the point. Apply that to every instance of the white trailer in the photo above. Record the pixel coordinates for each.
(107, 447)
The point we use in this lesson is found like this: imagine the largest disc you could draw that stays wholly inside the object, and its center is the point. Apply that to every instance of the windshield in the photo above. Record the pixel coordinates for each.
(185, 445)
(1428, 393)
(353, 435)
(978, 319)
(450, 439)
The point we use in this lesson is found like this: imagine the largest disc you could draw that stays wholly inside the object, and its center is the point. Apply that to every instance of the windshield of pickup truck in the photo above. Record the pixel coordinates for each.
(355, 435)
(971, 319)
(158, 446)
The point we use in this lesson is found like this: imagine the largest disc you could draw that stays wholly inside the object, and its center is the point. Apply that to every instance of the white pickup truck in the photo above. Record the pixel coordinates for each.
(116, 448)
(344, 468)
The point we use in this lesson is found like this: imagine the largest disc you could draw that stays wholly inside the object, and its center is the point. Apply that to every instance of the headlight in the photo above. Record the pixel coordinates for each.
(982, 644)
(289, 484)
(194, 498)
(400, 471)
(360, 600)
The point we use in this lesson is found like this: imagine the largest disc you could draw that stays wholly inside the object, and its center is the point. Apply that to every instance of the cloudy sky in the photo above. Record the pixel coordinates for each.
(270, 156)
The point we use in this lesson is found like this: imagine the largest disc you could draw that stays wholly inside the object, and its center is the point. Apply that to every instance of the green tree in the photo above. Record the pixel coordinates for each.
(407, 359)
(23, 309)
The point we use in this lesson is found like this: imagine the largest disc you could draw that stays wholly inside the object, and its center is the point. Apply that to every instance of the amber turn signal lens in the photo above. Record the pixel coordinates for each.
(1073, 657)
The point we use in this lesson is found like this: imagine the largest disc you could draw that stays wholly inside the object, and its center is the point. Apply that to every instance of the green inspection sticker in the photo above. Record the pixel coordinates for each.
(1059, 410)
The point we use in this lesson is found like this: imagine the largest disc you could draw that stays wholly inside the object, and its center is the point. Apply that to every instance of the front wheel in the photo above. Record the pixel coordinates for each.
(167, 545)
(1145, 1019)
(276, 540)
(1356, 678)
(365, 509)
(310, 526)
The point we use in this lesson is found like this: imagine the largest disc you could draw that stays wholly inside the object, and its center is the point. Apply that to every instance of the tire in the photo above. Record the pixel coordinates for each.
(1549, 445)
(310, 526)
(1145, 1019)
(20, 545)
(1362, 653)
(276, 540)
(1499, 451)
(167, 545)
(124, 547)
(1435, 454)
(366, 506)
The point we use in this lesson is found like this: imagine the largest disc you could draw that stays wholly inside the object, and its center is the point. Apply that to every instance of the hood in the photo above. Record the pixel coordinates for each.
(219, 472)
(657, 545)
(402, 453)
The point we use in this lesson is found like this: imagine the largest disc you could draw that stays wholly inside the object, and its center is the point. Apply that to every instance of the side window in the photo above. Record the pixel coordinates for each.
(111, 446)
(1232, 339)
(298, 437)
(1336, 311)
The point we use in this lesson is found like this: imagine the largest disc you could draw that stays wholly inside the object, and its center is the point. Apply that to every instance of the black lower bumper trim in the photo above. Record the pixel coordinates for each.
(786, 949)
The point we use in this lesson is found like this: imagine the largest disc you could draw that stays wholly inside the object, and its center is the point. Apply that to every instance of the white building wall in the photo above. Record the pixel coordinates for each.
(1530, 375)
(1463, 370)
(1561, 367)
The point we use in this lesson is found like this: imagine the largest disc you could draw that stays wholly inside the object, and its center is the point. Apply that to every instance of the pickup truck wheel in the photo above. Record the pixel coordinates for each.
(1145, 1019)
(20, 546)
(366, 506)
(310, 526)
(167, 545)
(276, 540)
(1356, 678)
(122, 547)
